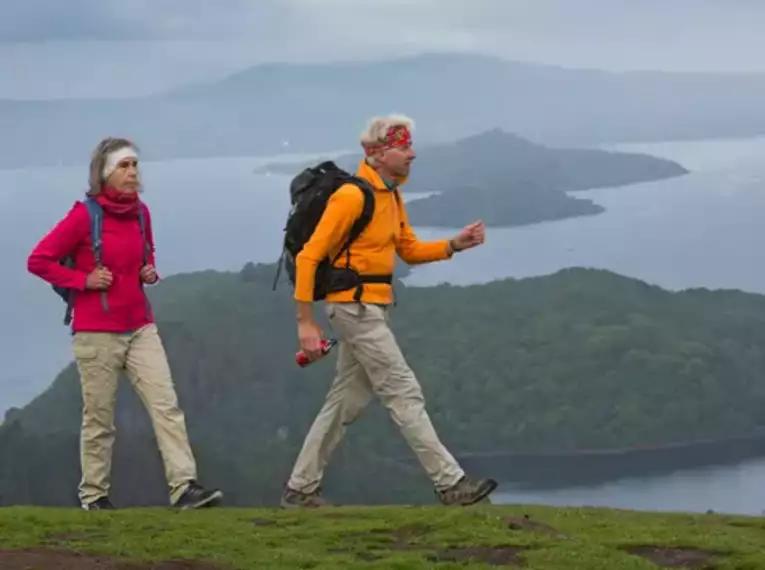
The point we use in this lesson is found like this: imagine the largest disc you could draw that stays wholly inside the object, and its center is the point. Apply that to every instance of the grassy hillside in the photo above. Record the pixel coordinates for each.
(578, 359)
(408, 538)
(273, 108)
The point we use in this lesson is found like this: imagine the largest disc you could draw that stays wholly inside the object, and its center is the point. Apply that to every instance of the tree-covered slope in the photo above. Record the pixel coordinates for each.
(578, 359)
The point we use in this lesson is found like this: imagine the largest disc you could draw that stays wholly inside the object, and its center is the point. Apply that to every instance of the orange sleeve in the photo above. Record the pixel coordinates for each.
(414, 251)
(343, 208)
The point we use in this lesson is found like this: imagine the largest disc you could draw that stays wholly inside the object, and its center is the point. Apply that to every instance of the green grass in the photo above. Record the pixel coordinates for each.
(384, 537)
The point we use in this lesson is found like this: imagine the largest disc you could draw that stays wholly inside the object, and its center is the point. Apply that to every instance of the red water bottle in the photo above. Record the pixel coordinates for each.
(326, 346)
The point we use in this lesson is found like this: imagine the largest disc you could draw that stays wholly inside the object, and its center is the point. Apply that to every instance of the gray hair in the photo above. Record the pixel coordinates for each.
(98, 160)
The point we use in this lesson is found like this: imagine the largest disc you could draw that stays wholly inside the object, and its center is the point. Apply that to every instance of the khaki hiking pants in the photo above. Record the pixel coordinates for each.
(370, 363)
(100, 358)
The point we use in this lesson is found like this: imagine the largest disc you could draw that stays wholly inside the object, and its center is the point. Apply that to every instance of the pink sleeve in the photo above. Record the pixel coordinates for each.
(61, 241)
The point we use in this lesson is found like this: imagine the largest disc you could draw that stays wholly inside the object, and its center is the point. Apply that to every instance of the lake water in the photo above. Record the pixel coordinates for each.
(734, 489)
(702, 230)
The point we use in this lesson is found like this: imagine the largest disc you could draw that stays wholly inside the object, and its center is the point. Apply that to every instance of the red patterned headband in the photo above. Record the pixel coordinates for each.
(397, 136)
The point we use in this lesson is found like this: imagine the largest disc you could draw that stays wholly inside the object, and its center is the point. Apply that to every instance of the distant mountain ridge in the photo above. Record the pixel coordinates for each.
(270, 109)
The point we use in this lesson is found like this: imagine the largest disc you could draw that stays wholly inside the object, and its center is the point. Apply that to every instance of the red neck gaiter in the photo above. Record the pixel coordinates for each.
(118, 204)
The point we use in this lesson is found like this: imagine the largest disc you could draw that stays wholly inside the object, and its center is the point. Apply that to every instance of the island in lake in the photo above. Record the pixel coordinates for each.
(507, 180)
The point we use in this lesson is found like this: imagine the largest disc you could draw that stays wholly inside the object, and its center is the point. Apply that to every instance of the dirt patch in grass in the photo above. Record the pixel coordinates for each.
(371, 545)
(754, 524)
(64, 539)
(364, 555)
(401, 538)
(528, 524)
(263, 522)
(491, 556)
(407, 538)
(58, 559)
(674, 557)
(341, 515)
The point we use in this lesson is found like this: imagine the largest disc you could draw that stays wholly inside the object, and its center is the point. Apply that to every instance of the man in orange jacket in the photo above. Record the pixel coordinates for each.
(369, 360)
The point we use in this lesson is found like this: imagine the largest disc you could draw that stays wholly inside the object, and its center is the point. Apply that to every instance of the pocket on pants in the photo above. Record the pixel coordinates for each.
(84, 352)
(89, 360)
(343, 318)
(342, 311)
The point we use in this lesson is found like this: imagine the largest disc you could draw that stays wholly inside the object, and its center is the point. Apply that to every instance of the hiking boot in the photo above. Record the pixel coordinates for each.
(195, 496)
(466, 492)
(100, 504)
(292, 499)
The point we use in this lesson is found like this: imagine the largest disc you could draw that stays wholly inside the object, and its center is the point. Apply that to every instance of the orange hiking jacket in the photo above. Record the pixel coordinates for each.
(373, 253)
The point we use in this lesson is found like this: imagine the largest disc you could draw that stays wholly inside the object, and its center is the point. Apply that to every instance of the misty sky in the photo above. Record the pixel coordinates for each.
(79, 48)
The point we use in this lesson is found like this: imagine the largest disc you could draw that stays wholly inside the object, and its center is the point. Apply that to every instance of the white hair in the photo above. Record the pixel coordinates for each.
(378, 127)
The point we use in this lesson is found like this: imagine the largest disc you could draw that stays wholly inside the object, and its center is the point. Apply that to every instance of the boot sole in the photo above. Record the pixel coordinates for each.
(287, 505)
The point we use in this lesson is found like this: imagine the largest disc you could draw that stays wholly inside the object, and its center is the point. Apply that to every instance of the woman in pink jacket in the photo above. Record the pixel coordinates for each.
(113, 326)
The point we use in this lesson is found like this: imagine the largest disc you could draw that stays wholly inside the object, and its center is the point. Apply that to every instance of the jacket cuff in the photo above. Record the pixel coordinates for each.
(82, 281)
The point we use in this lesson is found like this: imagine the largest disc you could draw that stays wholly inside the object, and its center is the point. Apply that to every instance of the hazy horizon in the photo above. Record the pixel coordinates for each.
(85, 48)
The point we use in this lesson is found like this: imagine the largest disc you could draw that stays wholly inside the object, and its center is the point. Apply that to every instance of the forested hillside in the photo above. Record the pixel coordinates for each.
(581, 358)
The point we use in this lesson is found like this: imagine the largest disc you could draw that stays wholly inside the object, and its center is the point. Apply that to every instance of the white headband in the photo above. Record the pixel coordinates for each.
(114, 158)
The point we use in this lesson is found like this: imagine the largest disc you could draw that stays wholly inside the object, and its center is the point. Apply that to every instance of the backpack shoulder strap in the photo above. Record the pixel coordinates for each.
(363, 220)
(146, 248)
(142, 224)
(96, 226)
(96, 214)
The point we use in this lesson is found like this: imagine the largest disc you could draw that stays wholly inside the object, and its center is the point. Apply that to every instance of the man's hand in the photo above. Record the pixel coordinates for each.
(99, 279)
(148, 274)
(470, 236)
(310, 335)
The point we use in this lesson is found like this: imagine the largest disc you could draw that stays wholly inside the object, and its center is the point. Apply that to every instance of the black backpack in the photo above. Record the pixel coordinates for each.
(310, 191)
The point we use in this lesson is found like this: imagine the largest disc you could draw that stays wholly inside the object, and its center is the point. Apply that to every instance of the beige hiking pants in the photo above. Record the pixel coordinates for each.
(100, 358)
(370, 362)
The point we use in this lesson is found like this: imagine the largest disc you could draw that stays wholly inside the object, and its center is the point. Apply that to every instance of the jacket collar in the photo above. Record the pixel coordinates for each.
(370, 174)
